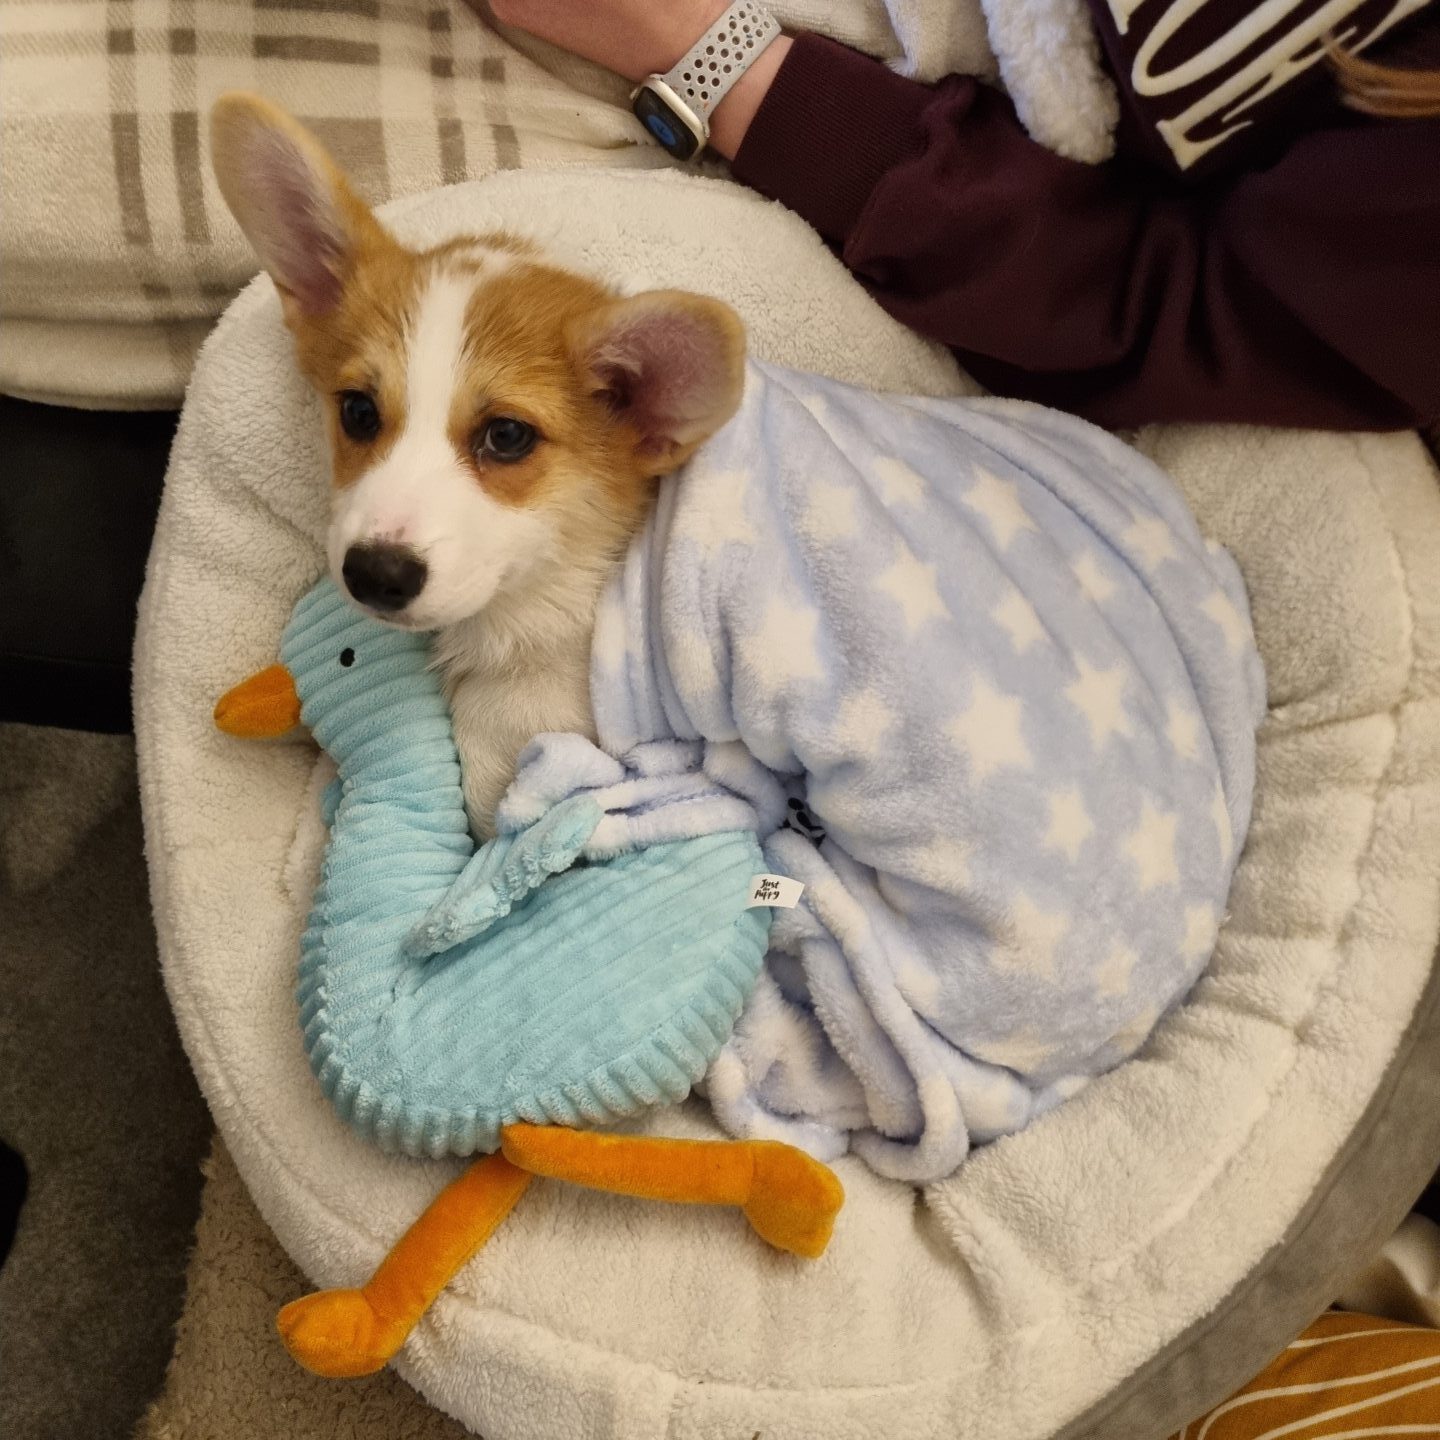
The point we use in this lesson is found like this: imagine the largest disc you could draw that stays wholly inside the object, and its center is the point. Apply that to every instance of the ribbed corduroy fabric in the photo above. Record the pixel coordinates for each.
(591, 994)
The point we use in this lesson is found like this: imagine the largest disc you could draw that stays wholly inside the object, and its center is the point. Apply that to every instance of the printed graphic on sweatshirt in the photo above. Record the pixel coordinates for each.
(1204, 73)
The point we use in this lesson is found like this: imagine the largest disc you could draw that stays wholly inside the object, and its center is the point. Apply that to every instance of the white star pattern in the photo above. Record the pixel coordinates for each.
(607, 645)
(1151, 845)
(1095, 584)
(829, 513)
(1070, 824)
(862, 723)
(989, 732)
(1024, 1051)
(1028, 791)
(999, 502)
(919, 986)
(1099, 696)
(1134, 1033)
(782, 650)
(1112, 977)
(912, 583)
(1200, 929)
(1221, 609)
(819, 409)
(715, 510)
(1183, 730)
(899, 484)
(994, 1102)
(1029, 947)
(1152, 540)
(1016, 616)
(943, 864)
(1220, 814)
(938, 1100)
(774, 1030)
(692, 661)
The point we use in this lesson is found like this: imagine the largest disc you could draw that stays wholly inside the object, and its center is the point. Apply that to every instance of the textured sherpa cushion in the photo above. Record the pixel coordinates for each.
(1115, 1270)
(578, 999)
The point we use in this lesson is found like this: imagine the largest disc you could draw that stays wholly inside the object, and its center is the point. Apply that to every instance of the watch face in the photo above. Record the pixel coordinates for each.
(665, 125)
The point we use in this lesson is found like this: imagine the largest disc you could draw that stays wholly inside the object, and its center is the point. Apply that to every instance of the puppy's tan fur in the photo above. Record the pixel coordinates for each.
(619, 390)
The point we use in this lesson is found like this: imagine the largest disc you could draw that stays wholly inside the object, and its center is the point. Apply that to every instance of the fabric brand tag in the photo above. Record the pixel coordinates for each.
(776, 891)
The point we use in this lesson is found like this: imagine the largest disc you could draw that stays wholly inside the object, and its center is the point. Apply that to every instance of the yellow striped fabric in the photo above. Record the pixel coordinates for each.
(1348, 1377)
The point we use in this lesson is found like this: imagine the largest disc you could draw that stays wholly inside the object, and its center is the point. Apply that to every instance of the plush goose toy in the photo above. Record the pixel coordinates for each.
(456, 1001)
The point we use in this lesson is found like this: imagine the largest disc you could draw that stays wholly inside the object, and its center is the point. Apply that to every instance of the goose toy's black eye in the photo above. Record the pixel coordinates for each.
(507, 440)
(359, 415)
(347, 657)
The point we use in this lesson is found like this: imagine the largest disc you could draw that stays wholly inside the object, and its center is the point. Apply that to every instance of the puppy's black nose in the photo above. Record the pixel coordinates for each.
(384, 577)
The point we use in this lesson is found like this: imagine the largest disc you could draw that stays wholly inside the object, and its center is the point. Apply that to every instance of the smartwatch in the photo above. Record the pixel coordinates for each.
(676, 107)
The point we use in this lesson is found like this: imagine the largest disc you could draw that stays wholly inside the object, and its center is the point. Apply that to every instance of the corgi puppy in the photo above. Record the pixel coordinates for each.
(497, 428)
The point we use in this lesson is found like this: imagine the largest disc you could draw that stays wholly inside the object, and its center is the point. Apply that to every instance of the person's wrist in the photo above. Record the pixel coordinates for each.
(733, 115)
(672, 30)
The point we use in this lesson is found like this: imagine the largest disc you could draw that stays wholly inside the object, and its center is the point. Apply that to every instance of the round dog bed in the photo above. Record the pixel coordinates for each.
(1115, 1269)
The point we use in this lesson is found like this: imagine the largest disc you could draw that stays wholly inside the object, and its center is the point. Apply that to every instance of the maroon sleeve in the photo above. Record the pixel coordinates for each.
(1304, 293)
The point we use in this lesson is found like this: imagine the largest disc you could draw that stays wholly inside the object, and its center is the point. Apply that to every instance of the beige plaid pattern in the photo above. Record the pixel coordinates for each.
(116, 250)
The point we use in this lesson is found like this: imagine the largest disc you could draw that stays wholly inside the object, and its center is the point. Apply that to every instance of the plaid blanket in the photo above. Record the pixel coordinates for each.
(117, 250)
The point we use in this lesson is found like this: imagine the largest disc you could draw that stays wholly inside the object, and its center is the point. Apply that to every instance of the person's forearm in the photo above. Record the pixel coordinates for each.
(1089, 287)
(636, 38)
(733, 116)
(1094, 288)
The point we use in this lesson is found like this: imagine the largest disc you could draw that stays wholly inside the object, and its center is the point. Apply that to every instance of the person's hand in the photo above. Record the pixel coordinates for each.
(636, 38)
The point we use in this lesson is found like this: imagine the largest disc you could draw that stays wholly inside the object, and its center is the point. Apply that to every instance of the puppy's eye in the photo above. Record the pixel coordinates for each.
(359, 415)
(347, 657)
(507, 440)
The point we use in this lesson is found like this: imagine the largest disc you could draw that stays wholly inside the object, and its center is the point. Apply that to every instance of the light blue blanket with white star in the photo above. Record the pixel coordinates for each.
(986, 648)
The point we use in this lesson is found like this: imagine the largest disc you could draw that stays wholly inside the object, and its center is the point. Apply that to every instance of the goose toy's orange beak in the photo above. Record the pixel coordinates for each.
(262, 706)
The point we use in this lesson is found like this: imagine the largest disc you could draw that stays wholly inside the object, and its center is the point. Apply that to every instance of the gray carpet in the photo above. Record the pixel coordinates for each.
(95, 1092)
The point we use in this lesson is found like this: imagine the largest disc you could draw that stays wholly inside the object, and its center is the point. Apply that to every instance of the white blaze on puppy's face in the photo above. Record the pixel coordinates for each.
(501, 545)
(435, 347)
(423, 493)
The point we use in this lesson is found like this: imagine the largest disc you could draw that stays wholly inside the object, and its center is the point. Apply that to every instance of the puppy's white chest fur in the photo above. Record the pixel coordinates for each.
(506, 686)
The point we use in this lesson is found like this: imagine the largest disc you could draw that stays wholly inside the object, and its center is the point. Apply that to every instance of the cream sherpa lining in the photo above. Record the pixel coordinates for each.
(996, 1307)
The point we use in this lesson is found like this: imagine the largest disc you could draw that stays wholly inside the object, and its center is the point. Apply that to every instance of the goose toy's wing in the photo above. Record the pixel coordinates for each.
(502, 873)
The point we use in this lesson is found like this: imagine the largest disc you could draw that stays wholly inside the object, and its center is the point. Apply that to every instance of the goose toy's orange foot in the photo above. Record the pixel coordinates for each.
(342, 1334)
(793, 1200)
(790, 1200)
(338, 1334)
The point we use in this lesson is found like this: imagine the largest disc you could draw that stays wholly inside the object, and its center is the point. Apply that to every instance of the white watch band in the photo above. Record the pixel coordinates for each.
(721, 56)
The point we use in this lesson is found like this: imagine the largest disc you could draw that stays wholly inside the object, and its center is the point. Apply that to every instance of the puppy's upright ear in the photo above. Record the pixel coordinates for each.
(291, 200)
(671, 365)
